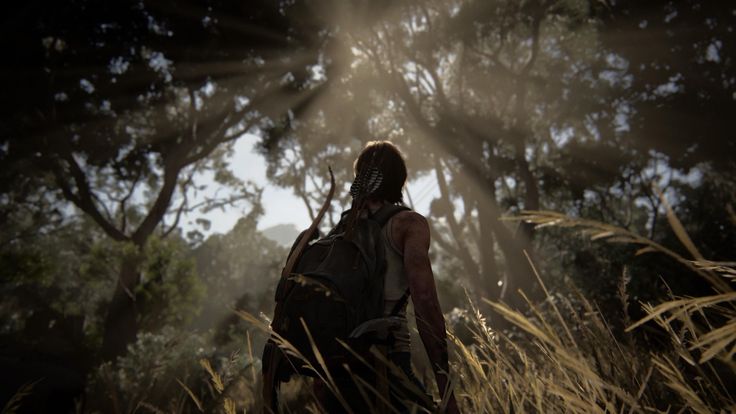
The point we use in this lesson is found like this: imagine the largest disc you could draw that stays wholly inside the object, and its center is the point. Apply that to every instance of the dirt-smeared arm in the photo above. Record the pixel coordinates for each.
(430, 322)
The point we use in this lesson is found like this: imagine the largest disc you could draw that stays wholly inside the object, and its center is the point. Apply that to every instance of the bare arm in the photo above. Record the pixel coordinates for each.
(430, 322)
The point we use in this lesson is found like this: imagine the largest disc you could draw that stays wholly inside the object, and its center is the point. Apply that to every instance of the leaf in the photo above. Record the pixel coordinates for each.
(13, 403)
(716, 341)
(645, 250)
(678, 228)
(214, 376)
(330, 382)
(206, 224)
(621, 239)
(682, 306)
(191, 395)
(602, 235)
(726, 269)
(229, 406)
(549, 223)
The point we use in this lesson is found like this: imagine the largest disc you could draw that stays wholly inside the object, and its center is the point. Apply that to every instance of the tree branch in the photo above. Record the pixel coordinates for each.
(301, 192)
(83, 197)
(183, 204)
(536, 23)
(470, 265)
(124, 202)
(160, 206)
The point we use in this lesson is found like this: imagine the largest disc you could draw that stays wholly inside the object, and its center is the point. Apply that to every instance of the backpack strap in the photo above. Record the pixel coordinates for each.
(400, 303)
(386, 212)
(382, 216)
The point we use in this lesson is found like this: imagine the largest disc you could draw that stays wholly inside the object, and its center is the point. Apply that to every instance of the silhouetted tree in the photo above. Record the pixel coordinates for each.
(116, 107)
(680, 56)
(480, 95)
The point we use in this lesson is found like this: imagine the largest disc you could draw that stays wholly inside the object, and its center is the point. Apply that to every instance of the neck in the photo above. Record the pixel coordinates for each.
(374, 205)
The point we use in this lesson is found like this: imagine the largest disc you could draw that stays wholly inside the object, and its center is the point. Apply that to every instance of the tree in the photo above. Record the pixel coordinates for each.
(481, 95)
(682, 88)
(240, 269)
(124, 104)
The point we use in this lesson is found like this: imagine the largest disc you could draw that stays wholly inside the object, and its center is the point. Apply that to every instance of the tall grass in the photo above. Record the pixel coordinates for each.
(564, 356)
(15, 402)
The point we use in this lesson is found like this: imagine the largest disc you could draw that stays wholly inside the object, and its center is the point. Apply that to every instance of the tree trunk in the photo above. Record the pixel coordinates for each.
(470, 266)
(531, 192)
(491, 276)
(519, 273)
(121, 322)
(520, 276)
(525, 232)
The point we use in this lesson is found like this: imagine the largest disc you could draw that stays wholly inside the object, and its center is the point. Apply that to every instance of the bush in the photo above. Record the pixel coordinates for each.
(149, 374)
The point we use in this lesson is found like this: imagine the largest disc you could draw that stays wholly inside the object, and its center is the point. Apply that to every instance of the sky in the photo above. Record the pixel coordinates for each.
(280, 204)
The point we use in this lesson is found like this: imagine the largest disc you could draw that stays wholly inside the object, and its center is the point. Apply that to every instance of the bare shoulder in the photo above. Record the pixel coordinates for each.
(411, 219)
(409, 225)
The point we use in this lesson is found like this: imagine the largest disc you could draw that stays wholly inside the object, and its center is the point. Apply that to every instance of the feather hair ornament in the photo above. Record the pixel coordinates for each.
(365, 183)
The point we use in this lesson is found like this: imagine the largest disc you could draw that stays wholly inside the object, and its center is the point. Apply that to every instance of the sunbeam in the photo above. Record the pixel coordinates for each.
(128, 140)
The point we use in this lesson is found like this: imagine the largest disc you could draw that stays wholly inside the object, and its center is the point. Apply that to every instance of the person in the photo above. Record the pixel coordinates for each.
(408, 269)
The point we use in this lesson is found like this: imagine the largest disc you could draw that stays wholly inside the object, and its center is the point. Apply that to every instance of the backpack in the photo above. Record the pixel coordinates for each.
(336, 290)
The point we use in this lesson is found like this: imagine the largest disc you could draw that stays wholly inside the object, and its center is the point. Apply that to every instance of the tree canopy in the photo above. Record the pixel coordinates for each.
(612, 110)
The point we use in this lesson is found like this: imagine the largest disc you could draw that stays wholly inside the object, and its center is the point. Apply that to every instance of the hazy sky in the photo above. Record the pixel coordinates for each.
(280, 204)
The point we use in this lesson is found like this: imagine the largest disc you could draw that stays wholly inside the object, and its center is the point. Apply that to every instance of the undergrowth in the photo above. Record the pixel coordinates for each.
(564, 357)
(568, 358)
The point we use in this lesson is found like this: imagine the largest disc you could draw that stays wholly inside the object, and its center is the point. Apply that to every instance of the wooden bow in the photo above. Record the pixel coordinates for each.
(299, 249)
(270, 382)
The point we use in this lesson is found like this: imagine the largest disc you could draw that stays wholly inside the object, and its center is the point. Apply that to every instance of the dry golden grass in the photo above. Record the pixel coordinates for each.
(565, 357)
(15, 402)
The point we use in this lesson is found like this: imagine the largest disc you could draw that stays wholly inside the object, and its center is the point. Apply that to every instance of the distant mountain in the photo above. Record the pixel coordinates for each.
(283, 234)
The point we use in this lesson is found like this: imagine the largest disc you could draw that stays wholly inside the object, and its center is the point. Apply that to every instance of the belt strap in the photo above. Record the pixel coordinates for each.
(400, 304)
